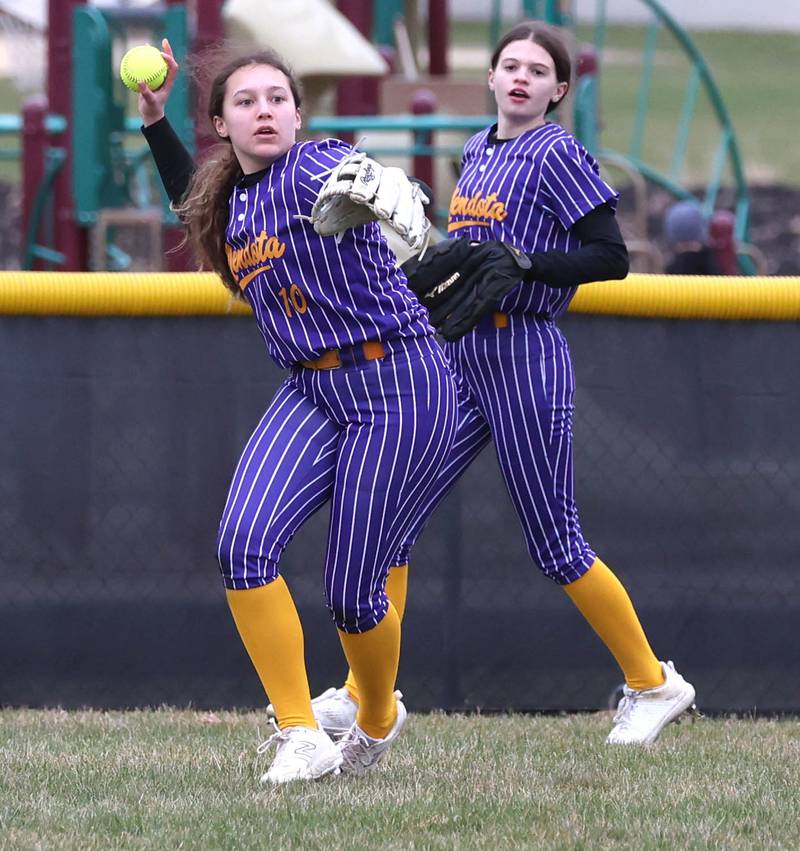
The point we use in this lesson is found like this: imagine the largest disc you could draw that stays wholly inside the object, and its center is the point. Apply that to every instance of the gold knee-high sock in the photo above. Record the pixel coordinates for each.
(396, 591)
(373, 657)
(605, 603)
(270, 630)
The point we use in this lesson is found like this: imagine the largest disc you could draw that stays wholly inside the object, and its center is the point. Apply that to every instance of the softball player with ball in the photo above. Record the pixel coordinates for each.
(366, 414)
(528, 184)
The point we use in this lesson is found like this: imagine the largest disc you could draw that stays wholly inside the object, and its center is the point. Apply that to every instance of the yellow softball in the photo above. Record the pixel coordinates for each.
(143, 63)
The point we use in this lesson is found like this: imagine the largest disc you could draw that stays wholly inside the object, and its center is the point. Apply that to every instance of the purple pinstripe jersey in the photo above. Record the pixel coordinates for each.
(308, 293)
(527, 191)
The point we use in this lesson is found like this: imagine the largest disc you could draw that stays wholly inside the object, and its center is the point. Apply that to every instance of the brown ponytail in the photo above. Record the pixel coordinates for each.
(205, 212)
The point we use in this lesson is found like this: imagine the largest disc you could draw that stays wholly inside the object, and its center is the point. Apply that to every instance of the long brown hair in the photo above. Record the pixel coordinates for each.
(204, 210)
(545, 36)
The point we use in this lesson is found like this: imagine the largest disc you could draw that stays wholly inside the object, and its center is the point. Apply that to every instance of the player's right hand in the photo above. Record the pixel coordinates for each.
(152, 103)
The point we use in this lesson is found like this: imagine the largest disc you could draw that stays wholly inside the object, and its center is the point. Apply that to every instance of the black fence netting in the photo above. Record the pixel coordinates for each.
(118, 437)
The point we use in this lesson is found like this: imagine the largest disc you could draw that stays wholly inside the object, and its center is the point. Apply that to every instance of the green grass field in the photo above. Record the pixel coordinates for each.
(751, 73)
(178, 779)
(10, 103)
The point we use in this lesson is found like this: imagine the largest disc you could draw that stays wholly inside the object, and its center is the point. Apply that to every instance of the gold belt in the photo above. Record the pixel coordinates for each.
(332, 359)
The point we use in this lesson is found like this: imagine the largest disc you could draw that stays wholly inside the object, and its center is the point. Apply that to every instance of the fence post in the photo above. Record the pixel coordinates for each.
(585, 108)
(423, 103)
(34, 141)
(438, 26)
(357, 95)
(70, 237)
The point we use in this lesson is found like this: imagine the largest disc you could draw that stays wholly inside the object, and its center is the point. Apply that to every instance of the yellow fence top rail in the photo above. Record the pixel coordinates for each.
(116, 294)
(202, 294)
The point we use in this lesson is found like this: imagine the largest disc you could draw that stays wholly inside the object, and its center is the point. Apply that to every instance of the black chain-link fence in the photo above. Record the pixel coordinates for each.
(118, 437)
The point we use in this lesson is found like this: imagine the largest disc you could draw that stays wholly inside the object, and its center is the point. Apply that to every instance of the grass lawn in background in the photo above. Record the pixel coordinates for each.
(169, 779)
(11, 104)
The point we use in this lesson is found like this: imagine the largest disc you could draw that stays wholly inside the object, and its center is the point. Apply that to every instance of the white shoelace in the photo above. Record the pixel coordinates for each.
(354, 748)
(276, 738)
(624, 709)
(426, 241)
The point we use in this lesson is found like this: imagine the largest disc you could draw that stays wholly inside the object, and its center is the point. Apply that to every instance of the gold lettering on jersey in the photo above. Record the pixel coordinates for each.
(478, 207)
(258, 252)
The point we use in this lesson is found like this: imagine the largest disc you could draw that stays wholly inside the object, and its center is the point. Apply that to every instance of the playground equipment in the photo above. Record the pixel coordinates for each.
(76, 166)
(102, 169)
(319, 43)
(82, 177)
(81, 174)
(310, 35)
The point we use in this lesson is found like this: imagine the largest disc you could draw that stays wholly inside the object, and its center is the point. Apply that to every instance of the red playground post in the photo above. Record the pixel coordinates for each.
(70, 239)
(721, 230)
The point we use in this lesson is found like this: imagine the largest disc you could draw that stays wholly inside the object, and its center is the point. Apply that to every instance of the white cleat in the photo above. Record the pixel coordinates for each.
(302, 754)
(642, 715)
(334, 710)
(360, 752)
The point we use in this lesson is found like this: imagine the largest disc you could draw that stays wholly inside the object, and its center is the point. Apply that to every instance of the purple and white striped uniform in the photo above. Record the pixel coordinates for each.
(369, 435)
(311, 293)
(516, 383)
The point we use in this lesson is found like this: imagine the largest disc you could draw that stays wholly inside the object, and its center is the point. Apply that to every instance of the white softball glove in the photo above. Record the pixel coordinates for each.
(360, 190)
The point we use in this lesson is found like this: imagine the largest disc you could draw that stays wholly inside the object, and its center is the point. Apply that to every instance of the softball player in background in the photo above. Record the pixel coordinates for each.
(364, 418)
(528, 182)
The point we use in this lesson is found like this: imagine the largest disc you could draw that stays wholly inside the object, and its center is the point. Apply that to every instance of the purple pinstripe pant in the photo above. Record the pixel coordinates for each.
(371, 437)
(516, 388)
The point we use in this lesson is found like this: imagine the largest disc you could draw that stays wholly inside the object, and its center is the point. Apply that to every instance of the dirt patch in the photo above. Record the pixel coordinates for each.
(774, 223)
(775, 227)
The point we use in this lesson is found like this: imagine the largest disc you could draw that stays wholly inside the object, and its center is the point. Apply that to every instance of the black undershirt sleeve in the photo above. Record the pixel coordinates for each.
(174, 163)
(601, 257)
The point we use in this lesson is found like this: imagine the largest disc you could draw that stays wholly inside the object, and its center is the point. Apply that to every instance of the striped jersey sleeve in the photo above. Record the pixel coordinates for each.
(571, 182)
(528, 191)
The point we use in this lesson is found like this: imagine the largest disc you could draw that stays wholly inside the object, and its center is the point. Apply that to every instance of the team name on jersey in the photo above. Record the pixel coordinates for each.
(256, 253)
(478, 207)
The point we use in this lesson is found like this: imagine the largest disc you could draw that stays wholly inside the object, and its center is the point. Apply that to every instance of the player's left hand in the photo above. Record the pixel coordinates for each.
(460, 281)
(361, 190)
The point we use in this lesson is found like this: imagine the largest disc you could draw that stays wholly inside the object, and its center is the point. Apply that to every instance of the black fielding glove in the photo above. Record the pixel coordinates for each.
(460, 281)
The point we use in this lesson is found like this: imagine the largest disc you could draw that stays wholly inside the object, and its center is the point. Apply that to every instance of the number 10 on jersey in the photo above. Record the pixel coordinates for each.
(293, 300)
